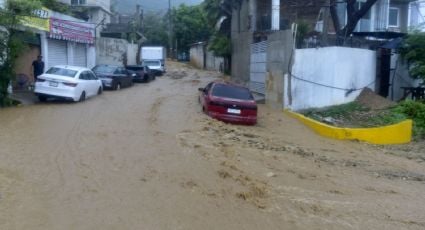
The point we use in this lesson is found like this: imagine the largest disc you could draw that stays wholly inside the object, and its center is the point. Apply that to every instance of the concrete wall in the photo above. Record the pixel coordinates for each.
(110, 51)
(278, 57)
(197, 56)
(213, 63)
(340, 67)
(132, 54)
(91, 56)
(23, 67)
(201, 58)
(400, 78)
(242, 38)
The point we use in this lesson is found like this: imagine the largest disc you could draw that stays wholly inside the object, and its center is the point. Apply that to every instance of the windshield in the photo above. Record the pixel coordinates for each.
(233, 92)
(152, 63)
(104, 69)
(62, 72)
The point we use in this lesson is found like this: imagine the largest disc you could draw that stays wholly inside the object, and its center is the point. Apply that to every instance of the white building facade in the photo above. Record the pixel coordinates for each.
(417, 15)
(385, 15)
(99, 11)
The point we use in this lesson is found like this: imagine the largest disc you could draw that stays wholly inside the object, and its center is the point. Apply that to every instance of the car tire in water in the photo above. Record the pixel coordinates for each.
(42, 98)
(82, 97)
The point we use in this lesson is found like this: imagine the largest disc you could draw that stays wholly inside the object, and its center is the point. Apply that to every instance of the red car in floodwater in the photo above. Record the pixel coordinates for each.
(229, 103)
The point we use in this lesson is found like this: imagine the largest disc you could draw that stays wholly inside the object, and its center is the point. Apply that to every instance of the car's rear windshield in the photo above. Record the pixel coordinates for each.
(151, 63)
(135, 68)
(104, 69)
(232, 92)
(62, 72)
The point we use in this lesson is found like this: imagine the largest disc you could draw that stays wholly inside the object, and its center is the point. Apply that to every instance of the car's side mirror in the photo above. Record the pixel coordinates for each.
(201, 90)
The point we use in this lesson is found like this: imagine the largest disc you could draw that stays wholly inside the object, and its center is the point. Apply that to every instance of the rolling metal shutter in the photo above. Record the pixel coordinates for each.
(80, 55)
(58, 54)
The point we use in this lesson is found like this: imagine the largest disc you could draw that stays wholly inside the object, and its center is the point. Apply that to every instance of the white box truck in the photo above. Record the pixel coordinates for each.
(154, 58)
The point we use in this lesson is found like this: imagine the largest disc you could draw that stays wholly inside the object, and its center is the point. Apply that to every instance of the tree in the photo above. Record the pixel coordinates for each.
(190, 25)
(354, 14)
(414, 52)
(11, 44)
(155, 29)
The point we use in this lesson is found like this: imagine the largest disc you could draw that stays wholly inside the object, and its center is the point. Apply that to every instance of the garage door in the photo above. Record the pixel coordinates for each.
(257, 81)
(58, 54)
(80, 55)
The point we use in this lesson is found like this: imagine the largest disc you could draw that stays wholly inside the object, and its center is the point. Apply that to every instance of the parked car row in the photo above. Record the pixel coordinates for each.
(78, 83)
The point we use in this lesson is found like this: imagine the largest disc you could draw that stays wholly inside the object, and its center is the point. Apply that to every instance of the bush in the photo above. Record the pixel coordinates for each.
(416, 111)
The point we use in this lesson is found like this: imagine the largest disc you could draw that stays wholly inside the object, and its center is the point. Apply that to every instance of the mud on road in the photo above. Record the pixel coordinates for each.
(147, 158)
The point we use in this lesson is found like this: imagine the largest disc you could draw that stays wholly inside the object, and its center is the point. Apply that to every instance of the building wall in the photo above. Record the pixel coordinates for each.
(242, 38)
(201, 58)
(110, 51)
(417, 15)
(214, 63)
(400, 78)
(106, 4)
(23, 66)
(341, 67)
(197, 56)
(278, 61)
(132, 54)
(98, 16)
(404, 16)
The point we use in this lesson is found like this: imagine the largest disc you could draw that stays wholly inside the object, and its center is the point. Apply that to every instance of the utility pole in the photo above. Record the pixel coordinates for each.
(326, 15)
(170, 31)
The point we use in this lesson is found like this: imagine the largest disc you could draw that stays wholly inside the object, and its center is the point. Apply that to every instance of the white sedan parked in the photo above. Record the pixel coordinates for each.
(68, 82)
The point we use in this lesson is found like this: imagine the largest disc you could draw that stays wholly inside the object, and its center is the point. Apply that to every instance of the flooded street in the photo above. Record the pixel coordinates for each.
(148, 158)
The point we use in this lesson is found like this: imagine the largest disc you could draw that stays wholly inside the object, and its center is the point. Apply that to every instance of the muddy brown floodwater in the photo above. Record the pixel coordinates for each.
(147, 158)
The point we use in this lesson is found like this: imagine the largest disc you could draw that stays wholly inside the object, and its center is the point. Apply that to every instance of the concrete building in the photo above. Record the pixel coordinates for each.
(385, 15)
(417, 18)
(95, 11)
(263, 41)
(60, 39)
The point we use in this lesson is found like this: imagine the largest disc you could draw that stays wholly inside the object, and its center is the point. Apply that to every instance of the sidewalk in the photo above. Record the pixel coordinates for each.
(26, 97)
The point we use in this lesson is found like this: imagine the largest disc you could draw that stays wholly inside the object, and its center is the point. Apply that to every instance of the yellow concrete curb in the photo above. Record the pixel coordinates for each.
(400, 133)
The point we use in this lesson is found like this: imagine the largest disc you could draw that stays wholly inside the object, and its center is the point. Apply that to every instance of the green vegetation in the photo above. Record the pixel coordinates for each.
(338, 111)
(414, 52)
(221, 45)
(190, 25)
(11, 43)
(413, 110)
(303, 29)
(355, 115)
(56, 6)
(155, 29)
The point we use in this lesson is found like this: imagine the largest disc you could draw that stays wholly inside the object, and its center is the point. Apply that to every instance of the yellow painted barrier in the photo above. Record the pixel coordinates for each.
(400, 133)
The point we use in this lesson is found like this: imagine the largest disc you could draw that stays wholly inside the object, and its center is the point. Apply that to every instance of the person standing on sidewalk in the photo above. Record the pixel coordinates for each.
(38, 67)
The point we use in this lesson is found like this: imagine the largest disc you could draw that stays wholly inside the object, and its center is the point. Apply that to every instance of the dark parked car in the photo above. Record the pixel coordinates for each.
(141, 73)
(229, 103)
(113, 77)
